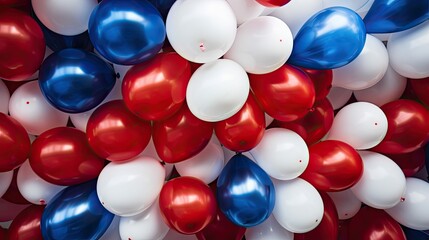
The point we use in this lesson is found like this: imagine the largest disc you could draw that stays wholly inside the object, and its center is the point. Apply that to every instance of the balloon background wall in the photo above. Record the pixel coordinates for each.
(214, 119)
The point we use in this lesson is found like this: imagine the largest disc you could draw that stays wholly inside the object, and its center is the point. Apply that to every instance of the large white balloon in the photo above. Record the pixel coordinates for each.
(346, 203)
(129, 188)
(201, 30)
(4, 98)
(65, 17)
(28, 106)
(245, 10)
(112, 233)
(339, 97)
(382, 184)
(282, 153)
(299, 207)
(409, 51)
(5, 180)
(362, 125)
(366, 70)
(270, 229)
(150, 151)
(413, 211)
(217, 90)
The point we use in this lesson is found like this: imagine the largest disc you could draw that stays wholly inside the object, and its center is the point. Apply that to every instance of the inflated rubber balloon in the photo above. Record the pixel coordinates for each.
(346, 203)
(13, 194)
(10, 210)
(27, 224)
(410, 163)
(420, 88)
(112, 233)
(163, 6)
(150, 151)
(245, 10)
(4, 98)
(273, 3)
(415, 234)
(339, 97)
(322, 81)
(5, 180)
(269, 229)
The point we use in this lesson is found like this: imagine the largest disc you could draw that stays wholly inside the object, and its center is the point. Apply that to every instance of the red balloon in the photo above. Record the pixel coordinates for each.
(23, 45)
(9, 3)
(15, 143)
(408, 127)
(10, 210)
(410, 163)
(62, 156)
(273, 3)
(180, 137)
(314, 125)
(115, 133)
(27, 224)
(322, 81)
(12, 194)
(187, 204)
(420, 88)
(333, 166)
(286, 94)
(156, 89)
(244, 130)
(374, 224)
(3, 234)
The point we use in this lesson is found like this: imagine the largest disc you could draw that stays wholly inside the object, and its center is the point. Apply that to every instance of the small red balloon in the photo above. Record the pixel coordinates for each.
(410, 163)
(322, 81)
(273, 3)
(27, 224)
(12, 194)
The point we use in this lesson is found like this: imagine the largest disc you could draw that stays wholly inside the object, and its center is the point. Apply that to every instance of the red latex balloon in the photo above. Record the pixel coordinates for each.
(322, 81)
(12, 194)
(22, 47)
(333, 166)
(62, 156)
(286, 94)
(3, 234)
(187, 204)
(374, 224)
(27, 224)
(14, 143)
(244, 130)
(13, 2)
(115, 133)
(10, 210)
(314, 125)
(156, 89)
(420, 88)
(180, 137)
(328, 227)
(410, 163)
(273, 3)
(408, 127)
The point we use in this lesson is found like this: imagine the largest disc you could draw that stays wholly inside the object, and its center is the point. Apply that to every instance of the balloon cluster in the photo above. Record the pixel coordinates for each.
(214, 119)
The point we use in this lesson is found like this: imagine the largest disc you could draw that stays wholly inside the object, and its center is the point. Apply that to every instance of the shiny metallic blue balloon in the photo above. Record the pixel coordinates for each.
(126, 32)
(330, 39)
(75, 81)
(387, 16)
(163, 6)
(245, 192)
(75, 213)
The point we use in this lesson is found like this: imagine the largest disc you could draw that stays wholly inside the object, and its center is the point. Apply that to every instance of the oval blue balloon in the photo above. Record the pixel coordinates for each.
(245, 192)
(387, 16)
(126, 32)
(75, 213)
(330, 39)
(415, 234)
(163, 6)
(75, 81)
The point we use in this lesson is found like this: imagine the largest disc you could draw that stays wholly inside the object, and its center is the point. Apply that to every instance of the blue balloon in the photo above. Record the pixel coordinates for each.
(415, 234)
(75, 81)
(75, 213)
(330, 39)
(163, 6)
(245, 192)
(126, 32)
(387, 16)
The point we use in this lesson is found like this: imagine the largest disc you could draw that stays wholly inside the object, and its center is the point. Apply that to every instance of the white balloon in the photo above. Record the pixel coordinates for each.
(270, 229)
(65, 17)
(217, 90)
(382, 184)
(129, 188)
(346, 203)
(174, 235)
(29, 107)
(112, 233)
(389, 88)
(33, 188)
(362, 125)
(245, 10)
(299, 207)
(147, 225)
(282, 153)
(262, 45)
(201, 30)
(338, 97)
(4, 98)
(5, 180)
(413, 211)
(366, 70)
(409, 51)
(150, 151)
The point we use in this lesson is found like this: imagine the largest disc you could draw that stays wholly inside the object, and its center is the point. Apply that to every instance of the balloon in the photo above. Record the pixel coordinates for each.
(339, 97)
(156, 89)
(201, 30)
(4, 98)
(112, 233)
(382, 184)
(23, 45)
(27, 224)
(415, 234)
(299, 207)
(333, 166)
(322, 81)
(10, 210)
(420, 88)
(262, 45)
(62, 156)
(13, 3)
(5, 180)
(244, 130)
(410, 163)
(14, 142)
(217, 90)
(187, 204)
(353, 5)
(150, 151)
(75, 213)
(346, 203)
(13, 194)
(408, 52)
(273, 3)
(163, 6)
(244, 10)
(269, 229)
(181, 137)
(3, 233)
(173, 235)
(128, 188)
(245, 193)
(286, 94)
(321, 45)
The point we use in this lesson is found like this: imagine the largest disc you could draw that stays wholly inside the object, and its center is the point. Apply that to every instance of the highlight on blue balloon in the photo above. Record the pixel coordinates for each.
(330, 39)
(245, 192)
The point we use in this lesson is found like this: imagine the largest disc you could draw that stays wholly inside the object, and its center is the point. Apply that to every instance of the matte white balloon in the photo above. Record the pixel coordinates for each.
(339, 97)
(112, 233)
(269, 229)
(346, 203)
(150, 151)
(245, 10)
(4, 98)
(5, 180)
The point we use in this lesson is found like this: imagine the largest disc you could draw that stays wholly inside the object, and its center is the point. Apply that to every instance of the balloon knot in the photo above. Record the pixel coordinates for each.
(202, 48)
